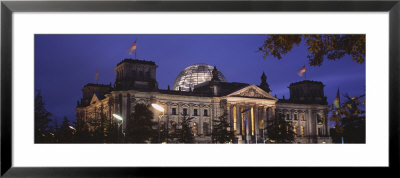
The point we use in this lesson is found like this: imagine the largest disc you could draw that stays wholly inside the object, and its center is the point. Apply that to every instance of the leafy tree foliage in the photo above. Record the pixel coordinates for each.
(332, 47)
(140, 126)
(220, 133)
(42, 119)
(280, 131)
(349, 119)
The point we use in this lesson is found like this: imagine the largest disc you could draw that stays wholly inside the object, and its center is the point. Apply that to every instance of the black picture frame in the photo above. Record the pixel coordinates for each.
(8, 7)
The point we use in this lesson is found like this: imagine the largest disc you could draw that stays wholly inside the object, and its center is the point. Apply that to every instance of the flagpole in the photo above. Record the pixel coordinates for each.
(305, 72)
(135, 50)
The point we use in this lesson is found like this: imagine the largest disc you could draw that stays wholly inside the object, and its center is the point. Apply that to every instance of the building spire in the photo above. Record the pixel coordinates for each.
(264, 85)
(215, 74)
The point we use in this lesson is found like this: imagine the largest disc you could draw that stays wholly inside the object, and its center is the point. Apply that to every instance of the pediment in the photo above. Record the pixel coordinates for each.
(252, 91)
(94, 99)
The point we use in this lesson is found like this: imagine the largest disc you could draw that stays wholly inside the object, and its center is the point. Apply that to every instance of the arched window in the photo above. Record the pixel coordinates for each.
(288, 117)
(319, 119)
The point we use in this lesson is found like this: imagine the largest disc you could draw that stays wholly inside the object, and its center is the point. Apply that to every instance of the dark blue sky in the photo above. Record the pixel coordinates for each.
(65, 63)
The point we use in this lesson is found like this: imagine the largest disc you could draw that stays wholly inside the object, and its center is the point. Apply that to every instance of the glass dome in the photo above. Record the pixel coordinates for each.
(194, 75)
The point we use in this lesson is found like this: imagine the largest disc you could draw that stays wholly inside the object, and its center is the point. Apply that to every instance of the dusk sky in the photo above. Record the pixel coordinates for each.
(65, 63)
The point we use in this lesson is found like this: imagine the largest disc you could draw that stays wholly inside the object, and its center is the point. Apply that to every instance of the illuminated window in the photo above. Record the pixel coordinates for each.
(205, 112)
(302, 130)
(234, 119)
(302, 117)
(173, 111)
(195, 112)
(295, 130)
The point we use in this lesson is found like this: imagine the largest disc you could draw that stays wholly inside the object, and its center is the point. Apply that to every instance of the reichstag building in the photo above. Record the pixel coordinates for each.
(201, 92)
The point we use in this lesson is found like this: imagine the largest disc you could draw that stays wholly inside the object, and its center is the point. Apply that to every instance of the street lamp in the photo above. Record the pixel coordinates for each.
(119, 123)
(161, 109)
(72, 128)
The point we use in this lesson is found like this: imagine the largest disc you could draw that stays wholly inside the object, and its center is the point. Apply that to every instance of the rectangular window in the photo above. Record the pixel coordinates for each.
(173, 111)
(287, 117)
(302, 117)
(195, 112)
(295, 131)
(205, 112)
(295, 116)
(185, 111)
(302, 130)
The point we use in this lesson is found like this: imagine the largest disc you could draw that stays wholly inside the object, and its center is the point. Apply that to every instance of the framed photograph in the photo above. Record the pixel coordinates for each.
(104, 88)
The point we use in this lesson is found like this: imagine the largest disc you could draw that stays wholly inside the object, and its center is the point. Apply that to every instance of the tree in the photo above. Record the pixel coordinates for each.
(185, 134)
(42, 120)
(349, 119)
(66, 133)
(82, 134)
(102, 131)
(220, 133)
(280, 131)
(140, 126)
(318, 46)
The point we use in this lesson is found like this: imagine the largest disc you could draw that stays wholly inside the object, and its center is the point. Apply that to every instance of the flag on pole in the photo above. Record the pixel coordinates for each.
(337, 99)
(132, 48)
(301, 71)
(97, 75)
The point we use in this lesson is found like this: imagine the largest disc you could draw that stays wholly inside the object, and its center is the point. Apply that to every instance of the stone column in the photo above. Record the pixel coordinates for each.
(168, 114)
(201, 113)
(327, 123)
(178, 112)
(256, 121)
(228, 117)
(238, 120)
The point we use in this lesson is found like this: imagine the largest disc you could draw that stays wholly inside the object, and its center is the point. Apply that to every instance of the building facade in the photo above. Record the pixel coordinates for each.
(249, 108)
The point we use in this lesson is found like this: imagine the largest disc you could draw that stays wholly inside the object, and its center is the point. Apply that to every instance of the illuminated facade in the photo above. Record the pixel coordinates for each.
(249, 108)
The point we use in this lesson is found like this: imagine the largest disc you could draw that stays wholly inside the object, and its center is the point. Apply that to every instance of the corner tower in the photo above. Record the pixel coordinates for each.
(307, 92)
(135, 74)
